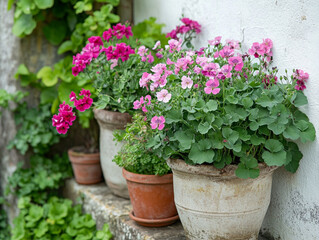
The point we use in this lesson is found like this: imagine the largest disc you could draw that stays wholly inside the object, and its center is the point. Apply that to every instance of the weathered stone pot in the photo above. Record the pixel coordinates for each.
(152, 198)
(108, 122)
(86, 166)
(217, 205)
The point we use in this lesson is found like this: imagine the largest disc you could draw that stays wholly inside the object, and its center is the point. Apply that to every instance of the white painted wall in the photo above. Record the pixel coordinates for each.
(293, 25)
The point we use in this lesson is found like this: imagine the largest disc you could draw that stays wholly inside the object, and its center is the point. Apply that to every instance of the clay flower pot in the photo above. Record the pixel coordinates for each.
(218, 205)
(152, 198)
(86, 167)
(108, 122)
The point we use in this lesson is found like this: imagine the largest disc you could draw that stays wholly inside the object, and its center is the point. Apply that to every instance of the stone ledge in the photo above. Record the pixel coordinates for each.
(107, 208)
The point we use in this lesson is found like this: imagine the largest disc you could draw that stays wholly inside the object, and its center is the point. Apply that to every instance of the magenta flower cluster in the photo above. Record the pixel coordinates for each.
(118, 31)
(66, 116)
(188, 25)
(120, 51)
(301, 78)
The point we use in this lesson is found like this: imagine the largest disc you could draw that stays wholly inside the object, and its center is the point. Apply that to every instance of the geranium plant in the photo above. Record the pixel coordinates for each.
(220, 106)
(134, 155)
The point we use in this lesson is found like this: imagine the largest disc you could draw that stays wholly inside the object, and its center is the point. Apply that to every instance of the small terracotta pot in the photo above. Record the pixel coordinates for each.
(86, 167)
(152, 198)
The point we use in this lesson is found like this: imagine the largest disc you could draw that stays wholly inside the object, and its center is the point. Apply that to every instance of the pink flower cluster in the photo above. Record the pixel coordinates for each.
(120, 51)
(145, 54)
(90, 51)
(142, 103)
(189, 25)
(83, 103)
(118, 31)
(158, 79)
(262, 49)
(301, 77)
(64, 119)
(66, 116)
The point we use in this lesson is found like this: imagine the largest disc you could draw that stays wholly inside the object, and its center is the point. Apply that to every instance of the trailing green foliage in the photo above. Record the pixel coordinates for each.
(41, 180)
(4, 226)
(56, 219)
(135, 155)
(6, 97)
(36, 131)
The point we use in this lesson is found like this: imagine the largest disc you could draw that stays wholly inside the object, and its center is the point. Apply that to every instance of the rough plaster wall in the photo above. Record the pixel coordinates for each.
(294, 28)
(9, 61)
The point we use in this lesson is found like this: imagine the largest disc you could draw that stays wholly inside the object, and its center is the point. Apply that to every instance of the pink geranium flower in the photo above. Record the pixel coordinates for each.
(212, 87)
(236, 62)
(96, 40)
(107, 35)
(186, 82)
(175, 45)
(158, 122)
(163, 96)
(257, 50)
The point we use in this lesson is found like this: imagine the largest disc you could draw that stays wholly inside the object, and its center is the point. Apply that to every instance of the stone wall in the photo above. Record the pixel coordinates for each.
(294, 28)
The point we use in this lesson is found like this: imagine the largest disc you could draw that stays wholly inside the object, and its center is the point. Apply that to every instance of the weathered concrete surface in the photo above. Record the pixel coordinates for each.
(294, 28)
(107, 208)
(9, 61)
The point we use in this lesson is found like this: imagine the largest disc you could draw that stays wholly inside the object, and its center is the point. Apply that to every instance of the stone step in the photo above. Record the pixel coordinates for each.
(107, 208)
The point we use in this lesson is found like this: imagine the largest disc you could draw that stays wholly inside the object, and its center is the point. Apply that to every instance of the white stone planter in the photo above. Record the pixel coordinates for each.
(214, 205)
(108, 122)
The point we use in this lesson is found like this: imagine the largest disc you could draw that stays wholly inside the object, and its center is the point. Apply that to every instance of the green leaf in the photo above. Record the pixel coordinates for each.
(265, 101)
(309, 134)
(277, 128)
(231, 99)
(43, 4)
(273, 145)
(48, 77)
(274, 159)
(300, 99)
(247, 102)
(230, 135)
(48, 95)
(57, 211)
(199, 156)
(203, 128)
(292, 132)
(302, 125)
(25, 24)
(294, 157)
(65, 46)
(113, 18)
(211, 105)
(244, 172)
(22, 70)
(255, 140)
(185, 140)
(253, 126)
(55, 31)
(41, 229)
(35, 213)
(10, 3)
(173, 116)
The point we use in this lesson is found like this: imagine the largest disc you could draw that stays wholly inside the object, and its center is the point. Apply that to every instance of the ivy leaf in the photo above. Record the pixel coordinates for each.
(25, 24)
(55, 31)
(49, 79)
(275, 158)
(43, 4)
(199, 156)
(273, 145)
(65, 46)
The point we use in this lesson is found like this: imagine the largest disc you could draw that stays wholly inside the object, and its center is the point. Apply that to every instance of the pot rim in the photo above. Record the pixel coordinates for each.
(112, 118)
(180, 165)
(147, 179)
(83, 158)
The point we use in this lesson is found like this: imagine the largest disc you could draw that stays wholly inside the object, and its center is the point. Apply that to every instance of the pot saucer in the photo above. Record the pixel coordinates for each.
(154, 222)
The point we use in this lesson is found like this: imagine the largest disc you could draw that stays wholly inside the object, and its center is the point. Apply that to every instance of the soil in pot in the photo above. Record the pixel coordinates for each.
(86, 166)
(152, 198)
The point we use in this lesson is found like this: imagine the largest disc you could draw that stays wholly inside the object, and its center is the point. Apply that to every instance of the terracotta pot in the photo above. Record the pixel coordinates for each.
(86, 167)
(214, 204)
(152, 198)
(108, 122)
